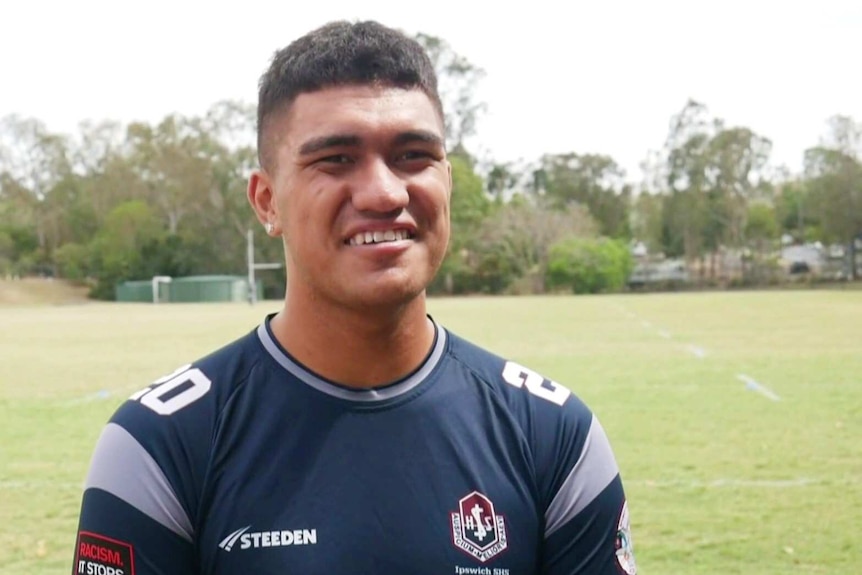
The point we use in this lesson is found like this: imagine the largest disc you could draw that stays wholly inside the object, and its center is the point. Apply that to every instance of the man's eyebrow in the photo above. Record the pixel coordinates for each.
(315, 145)
(422, 136)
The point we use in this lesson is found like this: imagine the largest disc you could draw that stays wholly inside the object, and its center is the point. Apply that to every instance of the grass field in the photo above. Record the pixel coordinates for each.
(736, 417)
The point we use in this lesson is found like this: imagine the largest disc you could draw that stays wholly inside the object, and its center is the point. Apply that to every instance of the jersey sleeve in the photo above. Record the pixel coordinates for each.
(587, 529)
(139, 501)
(586, 524)
(131, 521)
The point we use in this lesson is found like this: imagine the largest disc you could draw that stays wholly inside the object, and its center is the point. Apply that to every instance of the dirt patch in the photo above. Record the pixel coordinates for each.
(39, 291)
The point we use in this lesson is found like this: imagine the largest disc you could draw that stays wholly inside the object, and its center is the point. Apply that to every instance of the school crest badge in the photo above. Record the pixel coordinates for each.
(477, 529)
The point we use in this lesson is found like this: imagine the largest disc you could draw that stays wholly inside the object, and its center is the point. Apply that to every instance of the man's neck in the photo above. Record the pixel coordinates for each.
(355, 348)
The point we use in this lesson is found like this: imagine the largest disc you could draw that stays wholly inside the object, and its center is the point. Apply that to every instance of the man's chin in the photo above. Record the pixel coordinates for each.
(387, 293)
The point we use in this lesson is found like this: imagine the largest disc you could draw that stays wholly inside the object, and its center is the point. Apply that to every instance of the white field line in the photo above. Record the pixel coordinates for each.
(745, 483)
(662, 333)
(700, 353)
(627, 313)
(103, 394)
(100, 395)
(645, 323)
(753, 385)
(696, 351)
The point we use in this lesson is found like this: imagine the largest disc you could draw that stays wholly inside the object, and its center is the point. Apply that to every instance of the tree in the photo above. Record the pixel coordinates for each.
(684, 212)
(168, 160)
(502, 181)
(457, 79)
(761, 233)
(19, 241)
(468, 207)
(119, 251)
(516, 240)
(834, 173)
(712, 171)
(37, 161)
(589, 265)
(593, 181)
(217, 230)
(794, 210)
(736, 158)
(647, 219)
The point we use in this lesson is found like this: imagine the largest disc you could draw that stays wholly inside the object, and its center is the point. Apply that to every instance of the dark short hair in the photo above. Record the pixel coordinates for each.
(339, 54)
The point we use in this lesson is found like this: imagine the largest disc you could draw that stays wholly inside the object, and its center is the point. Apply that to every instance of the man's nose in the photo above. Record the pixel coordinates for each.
(379, 189)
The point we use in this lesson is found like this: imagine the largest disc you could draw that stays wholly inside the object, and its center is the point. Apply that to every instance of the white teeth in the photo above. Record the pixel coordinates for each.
(363, 238)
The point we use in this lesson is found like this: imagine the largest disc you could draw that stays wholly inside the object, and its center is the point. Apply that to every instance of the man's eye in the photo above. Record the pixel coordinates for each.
(416, 155)
(336, 159)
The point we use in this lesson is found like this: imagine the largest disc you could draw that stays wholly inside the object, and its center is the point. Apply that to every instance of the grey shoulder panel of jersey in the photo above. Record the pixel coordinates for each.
(594, 470)
(122, 467)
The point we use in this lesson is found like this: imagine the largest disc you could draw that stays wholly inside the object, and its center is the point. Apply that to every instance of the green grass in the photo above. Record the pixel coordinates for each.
(720, 478)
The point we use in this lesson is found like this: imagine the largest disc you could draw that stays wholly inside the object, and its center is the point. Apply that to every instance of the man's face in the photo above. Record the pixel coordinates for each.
(361, 193)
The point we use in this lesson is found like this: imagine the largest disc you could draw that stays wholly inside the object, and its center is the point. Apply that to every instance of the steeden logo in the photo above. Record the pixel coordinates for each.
(256, 539)
(477, 529)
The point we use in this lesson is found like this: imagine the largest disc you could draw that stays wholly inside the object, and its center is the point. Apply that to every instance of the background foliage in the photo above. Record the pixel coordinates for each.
(114, 202)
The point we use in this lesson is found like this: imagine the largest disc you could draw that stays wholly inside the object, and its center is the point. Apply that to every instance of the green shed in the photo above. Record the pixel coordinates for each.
(140, 291)
(205, 288)
(211, 288)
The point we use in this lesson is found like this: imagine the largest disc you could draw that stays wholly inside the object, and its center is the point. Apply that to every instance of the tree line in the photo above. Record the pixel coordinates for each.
(115, 202)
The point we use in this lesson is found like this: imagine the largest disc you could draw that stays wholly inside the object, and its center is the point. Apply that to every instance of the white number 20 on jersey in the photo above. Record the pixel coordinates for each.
(520, 376)
(194, 385)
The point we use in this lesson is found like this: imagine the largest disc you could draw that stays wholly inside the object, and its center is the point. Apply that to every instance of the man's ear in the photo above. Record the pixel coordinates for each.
(261, 196)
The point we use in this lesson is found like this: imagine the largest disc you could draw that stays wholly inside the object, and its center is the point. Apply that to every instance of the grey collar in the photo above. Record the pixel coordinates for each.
(366, 395)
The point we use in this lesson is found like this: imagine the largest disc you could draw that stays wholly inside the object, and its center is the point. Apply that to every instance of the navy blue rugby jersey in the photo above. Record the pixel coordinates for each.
(247, 462)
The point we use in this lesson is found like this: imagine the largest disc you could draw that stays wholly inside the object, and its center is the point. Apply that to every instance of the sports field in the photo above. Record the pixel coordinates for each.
(736, 417)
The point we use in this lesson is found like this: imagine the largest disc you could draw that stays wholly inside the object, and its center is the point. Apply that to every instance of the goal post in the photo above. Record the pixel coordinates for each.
(157, 281)
(253, 267)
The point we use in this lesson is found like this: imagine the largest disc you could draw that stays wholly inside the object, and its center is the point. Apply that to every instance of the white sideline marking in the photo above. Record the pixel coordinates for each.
(751, 384)
(753, 483)
(99, 395)
(698, 352)
(664, 334)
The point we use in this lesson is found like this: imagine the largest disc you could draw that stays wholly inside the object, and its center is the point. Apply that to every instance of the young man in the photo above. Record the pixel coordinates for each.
(350, 433)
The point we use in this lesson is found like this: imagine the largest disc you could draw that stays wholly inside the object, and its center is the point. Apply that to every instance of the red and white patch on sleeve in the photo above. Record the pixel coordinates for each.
(99, 555)
(624, 547)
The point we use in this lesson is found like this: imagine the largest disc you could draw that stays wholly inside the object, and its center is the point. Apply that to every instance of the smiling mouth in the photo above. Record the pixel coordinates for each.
(379, 237)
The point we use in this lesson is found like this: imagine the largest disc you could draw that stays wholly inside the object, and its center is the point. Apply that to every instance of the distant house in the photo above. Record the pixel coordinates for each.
(671, 271)
(807, 258)
(639, 250)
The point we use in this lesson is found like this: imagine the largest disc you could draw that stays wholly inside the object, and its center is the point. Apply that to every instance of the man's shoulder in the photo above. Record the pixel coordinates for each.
(190, 396)
(231, 364)
(481, 361)
(521, 386)
(159, 440)
(571, 454)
